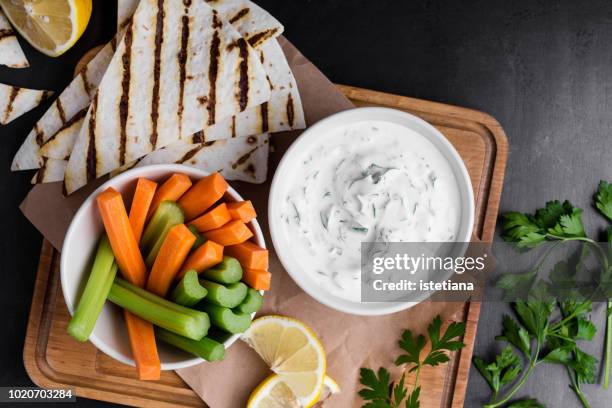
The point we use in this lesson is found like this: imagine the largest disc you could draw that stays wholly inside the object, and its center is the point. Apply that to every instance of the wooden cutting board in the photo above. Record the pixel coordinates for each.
(53, 359)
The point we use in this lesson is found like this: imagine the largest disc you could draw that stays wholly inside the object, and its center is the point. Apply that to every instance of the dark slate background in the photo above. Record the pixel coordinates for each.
(542, 68)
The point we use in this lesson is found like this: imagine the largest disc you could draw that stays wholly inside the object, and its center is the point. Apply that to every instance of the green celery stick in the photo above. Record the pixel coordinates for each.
(205, 348)
(225, 319)
(167, 215)
(200, 240)
(228, 271)
(98, 285)
(251, 303)
(178, 319)
(188, 292)
(224, 295)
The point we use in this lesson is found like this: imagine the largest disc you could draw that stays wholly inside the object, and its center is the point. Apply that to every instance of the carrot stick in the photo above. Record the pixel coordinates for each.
(249, 255)
(171, 256)
(242, 210)
(203, 195)
(143, 196)
(171, 190)
(144, 348)
(206, 256)
(232, 233)
(215, 218)
(256, 278)
(121, 236)
(132, 267)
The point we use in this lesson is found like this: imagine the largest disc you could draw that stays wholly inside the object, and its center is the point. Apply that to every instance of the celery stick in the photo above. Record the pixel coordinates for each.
(188, 292)
(200, 240)
(251, 303)
(178, 319)
(206, 348)
(224, 295)
(225, 319)
(228, 271)
(168, 215)
(98, 285)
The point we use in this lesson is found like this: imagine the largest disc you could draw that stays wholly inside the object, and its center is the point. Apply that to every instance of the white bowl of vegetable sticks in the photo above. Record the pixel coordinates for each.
(110, 335)
(364, 175)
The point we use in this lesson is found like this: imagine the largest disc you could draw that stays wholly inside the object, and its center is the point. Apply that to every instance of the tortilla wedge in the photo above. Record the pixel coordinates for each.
(15, 101)
(50, 171)
(244, 159)
(11, 54)
(283, 112)
(178, 69)
(70, 103)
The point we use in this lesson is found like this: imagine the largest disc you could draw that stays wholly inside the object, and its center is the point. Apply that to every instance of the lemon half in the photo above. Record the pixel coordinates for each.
(50, 26)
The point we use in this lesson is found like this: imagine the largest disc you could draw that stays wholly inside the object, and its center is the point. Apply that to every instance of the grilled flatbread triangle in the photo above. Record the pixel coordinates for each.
(244, 159)
(11, 54)
(50, 171)
(72, 102)
(283, 112)
(15, 101)
(178, 69)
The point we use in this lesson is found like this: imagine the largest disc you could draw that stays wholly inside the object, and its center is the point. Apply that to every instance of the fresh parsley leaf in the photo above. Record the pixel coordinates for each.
(603, 199)
(517, 225)
(500, 372)
(570, 225)
(413, 399)
(561, 355)
(515, 335)
(534, 313)
(585, 366)
(526, 403)
(377, 387)
(516, 285)
(548, 216)
(412, 346)
(399, 392)
(442, 344)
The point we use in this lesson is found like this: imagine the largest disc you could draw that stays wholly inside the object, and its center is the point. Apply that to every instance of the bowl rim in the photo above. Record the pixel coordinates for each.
(326, 125)
(126, 176)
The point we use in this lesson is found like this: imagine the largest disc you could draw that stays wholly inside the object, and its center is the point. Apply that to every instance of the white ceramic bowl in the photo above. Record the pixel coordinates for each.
(286, 174)
(79, 247)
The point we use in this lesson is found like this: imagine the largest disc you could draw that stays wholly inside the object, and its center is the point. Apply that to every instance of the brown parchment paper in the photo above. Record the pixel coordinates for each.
(350, 341)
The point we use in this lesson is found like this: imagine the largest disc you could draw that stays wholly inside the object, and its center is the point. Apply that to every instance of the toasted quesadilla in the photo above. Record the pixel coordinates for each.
(15, 101)
(283, 112)
(244, 159)
(179, 68)
(72, 102)
(11, 54)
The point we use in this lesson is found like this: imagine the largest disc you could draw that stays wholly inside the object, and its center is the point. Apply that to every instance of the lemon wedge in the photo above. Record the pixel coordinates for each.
(51, 26)
(295, 355)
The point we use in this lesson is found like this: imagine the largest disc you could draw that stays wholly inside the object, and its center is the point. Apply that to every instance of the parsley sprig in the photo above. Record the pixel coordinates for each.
(380, 392)
(534, 333)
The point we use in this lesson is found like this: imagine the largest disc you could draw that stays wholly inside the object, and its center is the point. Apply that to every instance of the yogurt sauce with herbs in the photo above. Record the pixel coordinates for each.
(371, 181)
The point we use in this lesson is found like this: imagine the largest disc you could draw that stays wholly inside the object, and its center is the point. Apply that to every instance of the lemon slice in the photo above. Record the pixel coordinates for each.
(50, 26)
(273, 392)
(293, 352)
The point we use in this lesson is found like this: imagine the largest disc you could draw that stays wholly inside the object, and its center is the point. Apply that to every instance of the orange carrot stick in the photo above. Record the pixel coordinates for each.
(249, 255)
(171, 256)
(121, 236)
(206, 256)
(242, 210)
(171, 190)
(232, 233)
(143, 196)
(256, 278)
(215, 218)
(203, 195)
(132, 267)
(144, 348)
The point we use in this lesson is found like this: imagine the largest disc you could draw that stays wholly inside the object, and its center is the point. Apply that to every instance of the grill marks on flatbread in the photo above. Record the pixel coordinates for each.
(71, 102)
(185, 74)
(60, 144)
(284, 110)
(244, 159)
(11, 54)
(15, 101)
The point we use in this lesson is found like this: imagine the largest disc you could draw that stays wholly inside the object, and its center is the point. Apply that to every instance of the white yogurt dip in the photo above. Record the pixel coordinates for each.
(371, 181)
